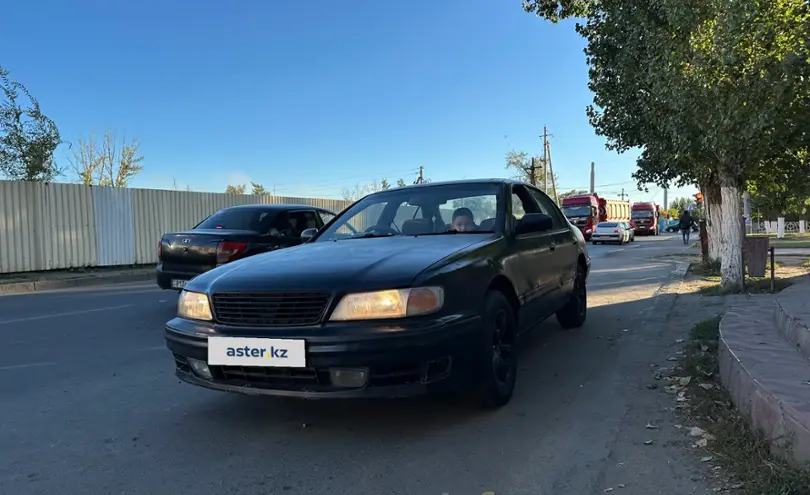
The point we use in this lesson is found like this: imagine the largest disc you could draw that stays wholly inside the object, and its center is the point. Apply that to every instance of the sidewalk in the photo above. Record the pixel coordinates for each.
(20, 283)
(763, 354)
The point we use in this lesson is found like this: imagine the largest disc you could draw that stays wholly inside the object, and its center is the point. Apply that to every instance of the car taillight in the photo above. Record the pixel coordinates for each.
(228, 251)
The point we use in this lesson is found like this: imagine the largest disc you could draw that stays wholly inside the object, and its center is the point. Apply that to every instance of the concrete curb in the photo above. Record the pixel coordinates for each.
(99, 280)
(789, 317)
(766, 377)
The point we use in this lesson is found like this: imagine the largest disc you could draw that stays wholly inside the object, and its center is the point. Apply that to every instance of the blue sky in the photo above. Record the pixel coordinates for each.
(309, 98)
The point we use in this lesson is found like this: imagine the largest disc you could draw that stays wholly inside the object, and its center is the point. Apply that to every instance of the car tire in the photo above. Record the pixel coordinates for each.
(574, 313)
(495, 364)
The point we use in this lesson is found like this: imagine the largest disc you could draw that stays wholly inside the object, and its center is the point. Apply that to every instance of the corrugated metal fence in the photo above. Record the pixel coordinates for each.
(49, 226)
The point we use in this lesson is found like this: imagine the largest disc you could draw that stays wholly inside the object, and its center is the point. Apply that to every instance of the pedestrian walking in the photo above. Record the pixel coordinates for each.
(686, 224)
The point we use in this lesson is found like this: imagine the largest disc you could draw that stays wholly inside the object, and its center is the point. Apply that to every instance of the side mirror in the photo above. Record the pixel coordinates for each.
(534, 222)
(308, 234)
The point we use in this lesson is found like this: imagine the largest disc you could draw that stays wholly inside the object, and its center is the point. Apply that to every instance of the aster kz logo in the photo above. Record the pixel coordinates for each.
(257, 352)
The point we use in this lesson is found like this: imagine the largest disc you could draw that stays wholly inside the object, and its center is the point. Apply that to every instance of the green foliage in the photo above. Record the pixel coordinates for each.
(238, 189)
(110, 162)
(677, 205)
(401, 182)
(28, 138)
(710, 91)
(384, 185)
(783, 187)
(521, 164)
(259, 189)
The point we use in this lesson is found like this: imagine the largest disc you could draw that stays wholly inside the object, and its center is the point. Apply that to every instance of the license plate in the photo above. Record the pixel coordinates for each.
(248, 351)
(178, 284)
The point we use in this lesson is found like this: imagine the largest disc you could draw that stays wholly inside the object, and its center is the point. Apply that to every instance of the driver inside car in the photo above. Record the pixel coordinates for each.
(463, 220)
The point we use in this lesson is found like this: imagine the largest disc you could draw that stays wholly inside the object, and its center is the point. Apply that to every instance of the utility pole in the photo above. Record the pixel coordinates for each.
(623, 194)
(665, 198)
(533, 172)
(550, 171)
(545, 159)
(421, 177)
(593, 179)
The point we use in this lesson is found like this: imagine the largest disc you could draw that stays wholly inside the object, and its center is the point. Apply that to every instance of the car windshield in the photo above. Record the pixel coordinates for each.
(428, 210)
(576, 210)
(238, 219)
(608, 225)
(642, 214)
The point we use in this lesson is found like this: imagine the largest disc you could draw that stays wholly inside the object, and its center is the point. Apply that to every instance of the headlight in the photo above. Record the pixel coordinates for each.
(194, 306)
(397, 303)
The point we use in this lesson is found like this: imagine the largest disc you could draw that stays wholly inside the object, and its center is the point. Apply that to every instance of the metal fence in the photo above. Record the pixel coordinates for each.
(50, 226)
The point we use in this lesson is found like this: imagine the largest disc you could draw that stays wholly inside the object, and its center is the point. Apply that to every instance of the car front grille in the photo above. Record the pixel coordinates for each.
(318, 379)
(271, 308)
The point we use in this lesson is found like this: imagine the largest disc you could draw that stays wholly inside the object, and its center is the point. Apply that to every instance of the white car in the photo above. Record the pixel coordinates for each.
(618, 232)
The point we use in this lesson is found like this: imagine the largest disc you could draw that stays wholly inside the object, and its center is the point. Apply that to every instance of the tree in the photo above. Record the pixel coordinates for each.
(679, 205)
(28, 138)
(259, 189)
(361, 190)
(239, 189)
(521, 163)
(358, 192)
(783, 188)
(108, 163)
(710, 91)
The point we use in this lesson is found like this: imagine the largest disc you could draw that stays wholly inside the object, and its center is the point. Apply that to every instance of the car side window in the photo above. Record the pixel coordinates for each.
(326, 217)
(522, 202)
(548, 207)
(301, 221)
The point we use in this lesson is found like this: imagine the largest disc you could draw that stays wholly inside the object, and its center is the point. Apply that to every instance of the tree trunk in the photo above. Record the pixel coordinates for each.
(712, 202)
(731, 267)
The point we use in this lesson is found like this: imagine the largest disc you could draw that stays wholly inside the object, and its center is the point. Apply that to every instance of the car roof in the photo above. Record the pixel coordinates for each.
(462, 182)
(275, 207)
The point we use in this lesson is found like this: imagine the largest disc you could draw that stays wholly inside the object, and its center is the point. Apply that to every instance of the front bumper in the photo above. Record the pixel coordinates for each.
(426, 356)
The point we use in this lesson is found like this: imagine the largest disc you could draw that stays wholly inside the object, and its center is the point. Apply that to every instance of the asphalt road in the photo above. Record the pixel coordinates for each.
(89, 406)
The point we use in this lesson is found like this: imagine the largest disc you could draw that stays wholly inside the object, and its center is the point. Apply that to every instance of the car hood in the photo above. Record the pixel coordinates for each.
(345, 265)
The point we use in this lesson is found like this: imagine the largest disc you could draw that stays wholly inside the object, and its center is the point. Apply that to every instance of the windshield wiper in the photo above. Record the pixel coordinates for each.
(368, 235)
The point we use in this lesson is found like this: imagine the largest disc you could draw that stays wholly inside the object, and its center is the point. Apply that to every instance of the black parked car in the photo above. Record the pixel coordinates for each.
(410, 290)
(231, 234)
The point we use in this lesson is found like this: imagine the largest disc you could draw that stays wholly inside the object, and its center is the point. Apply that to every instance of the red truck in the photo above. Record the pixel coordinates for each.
(645, 218)
(584, 211)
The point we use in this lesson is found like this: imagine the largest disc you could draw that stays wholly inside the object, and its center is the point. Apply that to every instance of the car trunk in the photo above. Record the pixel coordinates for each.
(195, 251)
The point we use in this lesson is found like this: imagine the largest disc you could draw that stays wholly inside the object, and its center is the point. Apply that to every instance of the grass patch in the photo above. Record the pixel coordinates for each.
(705, 268)
(806, 264)
(742, 452)
(753, 285)
(788, 237)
